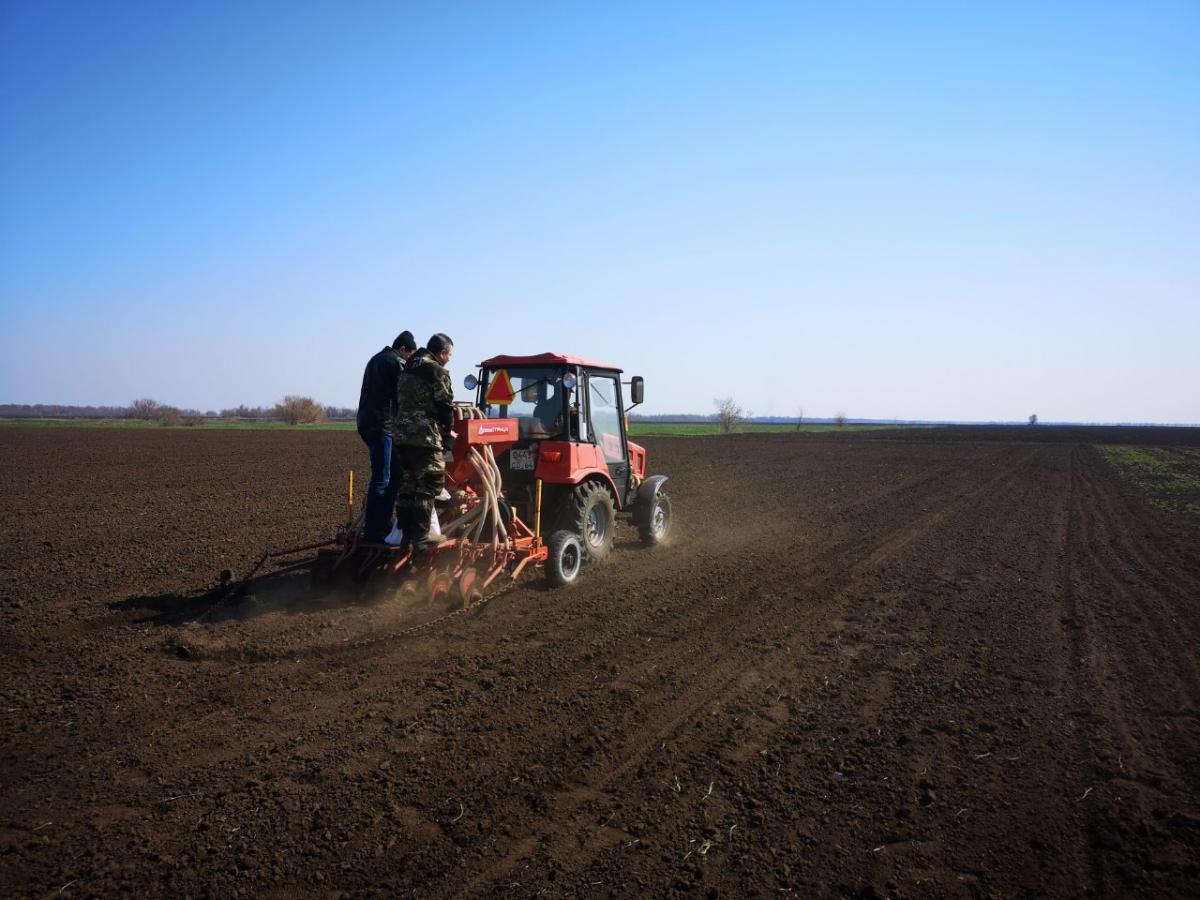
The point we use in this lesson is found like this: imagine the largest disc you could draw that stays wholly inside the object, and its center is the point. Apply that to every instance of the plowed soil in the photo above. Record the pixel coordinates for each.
(937, 663)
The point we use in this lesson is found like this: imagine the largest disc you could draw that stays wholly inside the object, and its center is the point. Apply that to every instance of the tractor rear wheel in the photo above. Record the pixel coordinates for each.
(592, 514)
(564, 557)
(656, 525)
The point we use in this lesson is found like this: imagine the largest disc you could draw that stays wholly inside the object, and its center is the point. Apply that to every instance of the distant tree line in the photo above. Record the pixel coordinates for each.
(292, 409)
(57, 411)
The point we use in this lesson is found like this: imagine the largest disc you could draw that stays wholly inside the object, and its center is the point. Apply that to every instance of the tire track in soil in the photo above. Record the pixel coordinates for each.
(973, 777)
(865, 678)
(870, 679)
(715, 680)
(974, 873)
(1126, 765)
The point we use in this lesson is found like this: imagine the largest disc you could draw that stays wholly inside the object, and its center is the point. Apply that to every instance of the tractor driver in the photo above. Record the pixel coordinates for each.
(548, 412)
(422, 433)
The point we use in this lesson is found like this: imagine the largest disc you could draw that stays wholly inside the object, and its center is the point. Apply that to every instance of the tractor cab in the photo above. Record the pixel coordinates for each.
(570, 414)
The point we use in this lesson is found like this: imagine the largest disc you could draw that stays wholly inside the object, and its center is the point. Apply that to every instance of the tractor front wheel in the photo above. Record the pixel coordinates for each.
(592, 514)
(654, 529)
(564, 558)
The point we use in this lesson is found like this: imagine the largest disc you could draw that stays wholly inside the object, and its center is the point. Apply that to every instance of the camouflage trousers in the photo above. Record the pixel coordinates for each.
(419, 473)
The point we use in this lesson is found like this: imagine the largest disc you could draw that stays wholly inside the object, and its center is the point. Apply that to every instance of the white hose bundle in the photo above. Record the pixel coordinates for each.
(487, 510)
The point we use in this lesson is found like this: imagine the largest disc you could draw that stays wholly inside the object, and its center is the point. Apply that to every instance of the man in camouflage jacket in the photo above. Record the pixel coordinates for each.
(421, 434)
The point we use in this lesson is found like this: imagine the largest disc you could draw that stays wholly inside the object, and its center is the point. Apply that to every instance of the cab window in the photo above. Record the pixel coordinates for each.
(604, 406)
(537, 404)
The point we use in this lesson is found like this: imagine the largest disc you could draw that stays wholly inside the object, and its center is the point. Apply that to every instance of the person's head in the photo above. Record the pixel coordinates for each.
(441, 347)
(405, 344)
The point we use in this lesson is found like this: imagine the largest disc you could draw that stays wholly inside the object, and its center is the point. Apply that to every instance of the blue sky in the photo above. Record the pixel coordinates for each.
(948, 211)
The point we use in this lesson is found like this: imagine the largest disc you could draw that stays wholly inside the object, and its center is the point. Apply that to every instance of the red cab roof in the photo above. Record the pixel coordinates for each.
(546, 359)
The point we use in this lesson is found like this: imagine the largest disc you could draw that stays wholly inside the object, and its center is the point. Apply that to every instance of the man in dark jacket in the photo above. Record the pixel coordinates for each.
(377, 407)
(421, 435)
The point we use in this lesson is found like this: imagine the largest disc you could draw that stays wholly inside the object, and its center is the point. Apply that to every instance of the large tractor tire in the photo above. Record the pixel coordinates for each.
(565, 557)
(592, 514)
(657, 525)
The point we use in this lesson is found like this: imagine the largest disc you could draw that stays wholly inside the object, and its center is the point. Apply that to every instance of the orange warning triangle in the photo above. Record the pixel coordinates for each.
(500, 391)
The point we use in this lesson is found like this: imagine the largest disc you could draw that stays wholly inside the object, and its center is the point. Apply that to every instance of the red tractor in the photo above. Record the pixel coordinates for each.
(542, 451)
(572, 467)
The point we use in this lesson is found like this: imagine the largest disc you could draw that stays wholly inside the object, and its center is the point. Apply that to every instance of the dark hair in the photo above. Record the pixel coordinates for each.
(440, 342)
(404, 341)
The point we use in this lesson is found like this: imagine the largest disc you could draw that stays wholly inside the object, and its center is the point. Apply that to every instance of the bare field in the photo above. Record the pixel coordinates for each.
(925, 663)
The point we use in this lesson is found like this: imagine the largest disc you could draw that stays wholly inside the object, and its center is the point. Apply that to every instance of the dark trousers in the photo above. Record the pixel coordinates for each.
(381, 492)
(420, 475)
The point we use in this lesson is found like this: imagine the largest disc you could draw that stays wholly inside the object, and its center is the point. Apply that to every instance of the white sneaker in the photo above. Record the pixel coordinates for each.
(396, 538)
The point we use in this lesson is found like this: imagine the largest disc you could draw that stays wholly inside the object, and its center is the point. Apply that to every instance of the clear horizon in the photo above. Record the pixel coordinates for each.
(930, 213)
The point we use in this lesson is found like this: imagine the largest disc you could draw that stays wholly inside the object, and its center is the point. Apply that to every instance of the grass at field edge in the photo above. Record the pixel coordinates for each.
(636, 429)
(1168, 476)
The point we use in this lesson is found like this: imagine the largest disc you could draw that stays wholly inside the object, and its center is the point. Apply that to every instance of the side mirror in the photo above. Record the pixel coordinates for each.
(637, 390)
(470, 382)
(569, 381)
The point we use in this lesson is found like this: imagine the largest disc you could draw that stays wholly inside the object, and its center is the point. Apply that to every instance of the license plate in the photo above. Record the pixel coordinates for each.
(521, 460)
